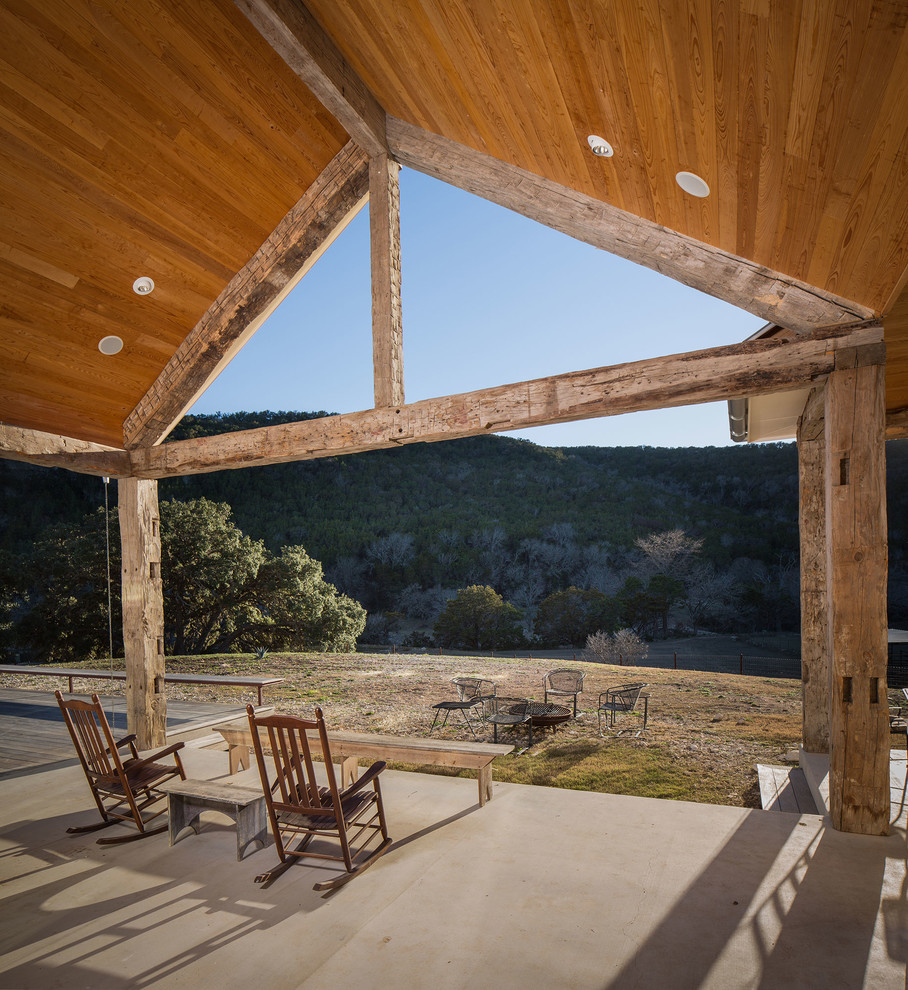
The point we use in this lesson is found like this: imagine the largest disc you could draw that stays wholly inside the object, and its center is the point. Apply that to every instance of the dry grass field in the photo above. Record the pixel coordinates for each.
(706, 731)
(705, 734)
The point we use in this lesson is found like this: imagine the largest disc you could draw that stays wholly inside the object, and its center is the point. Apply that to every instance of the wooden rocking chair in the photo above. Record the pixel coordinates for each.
(123, 791)
(299, 806)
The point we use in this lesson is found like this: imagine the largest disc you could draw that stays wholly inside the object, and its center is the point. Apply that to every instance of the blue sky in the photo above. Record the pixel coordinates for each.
(489, 297)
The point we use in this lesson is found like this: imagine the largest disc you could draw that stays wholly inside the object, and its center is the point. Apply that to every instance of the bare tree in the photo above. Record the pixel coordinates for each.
(348, 574)
(663, 551)
(624, 647)
(394, 550)
(491, 540)
(595, 569)
(561, 533)
(527, 594)
(449, 538)
(708, 593)
(422, 604)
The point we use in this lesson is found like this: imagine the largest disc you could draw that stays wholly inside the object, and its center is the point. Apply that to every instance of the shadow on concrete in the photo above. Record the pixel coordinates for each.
(812, 901)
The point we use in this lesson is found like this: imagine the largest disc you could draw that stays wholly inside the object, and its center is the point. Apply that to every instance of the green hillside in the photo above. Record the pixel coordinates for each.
(398, 529)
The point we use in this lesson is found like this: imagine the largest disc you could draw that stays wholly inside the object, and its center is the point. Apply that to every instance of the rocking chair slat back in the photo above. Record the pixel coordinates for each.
(92, 738)
(295, 787)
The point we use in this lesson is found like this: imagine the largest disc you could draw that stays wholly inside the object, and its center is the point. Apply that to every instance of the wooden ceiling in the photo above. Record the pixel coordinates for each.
(168, 139)
(157, 138)
(793, 112)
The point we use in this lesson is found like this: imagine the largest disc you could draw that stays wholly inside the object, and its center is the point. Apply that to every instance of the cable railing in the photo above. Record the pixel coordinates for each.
(726, 663)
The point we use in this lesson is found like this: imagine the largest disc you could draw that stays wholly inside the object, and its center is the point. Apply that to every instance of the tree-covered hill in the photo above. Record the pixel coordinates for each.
(743, 500)
(392, 525)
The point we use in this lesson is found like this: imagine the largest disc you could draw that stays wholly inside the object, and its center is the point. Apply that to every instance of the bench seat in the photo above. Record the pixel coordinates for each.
(349, 747)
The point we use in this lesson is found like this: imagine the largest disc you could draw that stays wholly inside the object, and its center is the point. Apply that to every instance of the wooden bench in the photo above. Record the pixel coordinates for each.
(349, 747)
(187, 799)
(228, 680)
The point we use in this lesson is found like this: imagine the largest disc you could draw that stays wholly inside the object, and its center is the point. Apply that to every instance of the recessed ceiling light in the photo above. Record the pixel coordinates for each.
(142, 285)
(110, 345)
(692, 184)
(599, 146)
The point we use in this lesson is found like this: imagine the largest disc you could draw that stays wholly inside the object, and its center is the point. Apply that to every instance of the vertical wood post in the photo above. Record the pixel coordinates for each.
(815, 670)
(143, 611)
(387, 318)
(857, 562)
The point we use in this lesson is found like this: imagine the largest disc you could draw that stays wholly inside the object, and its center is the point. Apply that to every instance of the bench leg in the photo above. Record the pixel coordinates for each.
(349, 770)
(180, 813)
(238, 757)
(251, 826)
(485, 784)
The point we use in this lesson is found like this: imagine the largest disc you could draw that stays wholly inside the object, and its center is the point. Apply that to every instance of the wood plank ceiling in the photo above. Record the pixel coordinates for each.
(156, 138)
(793, 112)
(167, 139)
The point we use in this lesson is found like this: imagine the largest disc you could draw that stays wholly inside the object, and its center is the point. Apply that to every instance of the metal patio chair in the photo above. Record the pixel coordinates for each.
(470, 692)
(620, 700)
(506, 712)
(564, 681)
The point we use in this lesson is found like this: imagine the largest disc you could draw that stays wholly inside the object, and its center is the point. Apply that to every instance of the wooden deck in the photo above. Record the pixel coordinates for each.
(785, 789)
(32, 731)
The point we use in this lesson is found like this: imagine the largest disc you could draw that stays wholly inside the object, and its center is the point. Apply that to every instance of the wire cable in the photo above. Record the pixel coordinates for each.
(109, 597)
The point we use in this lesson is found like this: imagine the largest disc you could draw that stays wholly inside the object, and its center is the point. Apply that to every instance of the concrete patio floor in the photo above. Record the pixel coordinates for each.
(540, 888)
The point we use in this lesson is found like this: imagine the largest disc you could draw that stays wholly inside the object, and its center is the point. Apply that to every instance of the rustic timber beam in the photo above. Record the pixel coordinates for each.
(387, 318)
(815, 668)
(812, 421)
(297, 37)
(747, 368)
(50, 450)
(771, 295)
(143, 611)
(856, 583)
(252, 295)
(897, 424)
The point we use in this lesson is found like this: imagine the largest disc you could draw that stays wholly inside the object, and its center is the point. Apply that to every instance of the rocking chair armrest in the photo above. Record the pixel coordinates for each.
(156, 755)
(366, 778)
(130, 741)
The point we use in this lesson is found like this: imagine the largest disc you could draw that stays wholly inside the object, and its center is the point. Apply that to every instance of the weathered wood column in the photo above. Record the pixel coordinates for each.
(814, 617)
(387, 319)
(857, 561)
(143, 611)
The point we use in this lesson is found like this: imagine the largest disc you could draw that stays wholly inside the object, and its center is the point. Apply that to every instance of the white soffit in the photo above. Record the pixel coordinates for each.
(775, 416)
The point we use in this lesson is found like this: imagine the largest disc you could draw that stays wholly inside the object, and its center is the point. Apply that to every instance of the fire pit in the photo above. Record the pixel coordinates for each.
(541, 715)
